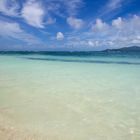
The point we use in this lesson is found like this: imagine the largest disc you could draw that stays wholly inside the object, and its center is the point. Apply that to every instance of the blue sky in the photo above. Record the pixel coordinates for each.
(69, 24)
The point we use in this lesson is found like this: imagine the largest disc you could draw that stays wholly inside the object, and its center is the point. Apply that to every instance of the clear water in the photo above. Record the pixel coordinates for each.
(70, 97)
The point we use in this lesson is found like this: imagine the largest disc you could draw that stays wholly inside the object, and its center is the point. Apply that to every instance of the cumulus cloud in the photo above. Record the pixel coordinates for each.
(33, 13)
(14, 31)
(75, 22)
(90, 43)
(118, 23)
(59, 36)
(99, 25)
(9, 9)
(121, 32)
(93, 43)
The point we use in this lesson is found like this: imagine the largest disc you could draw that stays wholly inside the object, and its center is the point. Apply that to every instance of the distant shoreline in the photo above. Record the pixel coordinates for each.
(123, 49)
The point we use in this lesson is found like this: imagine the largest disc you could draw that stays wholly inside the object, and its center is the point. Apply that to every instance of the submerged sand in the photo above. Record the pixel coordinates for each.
(9, 131)
(51, 100)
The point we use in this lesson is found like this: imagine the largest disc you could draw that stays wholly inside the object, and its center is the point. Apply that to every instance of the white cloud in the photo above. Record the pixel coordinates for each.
(119, 33)
(112, 8)
(90, 43)
(138, 37)
(136, 41)
(59, 36)
(122, 32)
(75, 22)
(39, 13)
(63, 8)
(33, 13)
(9, 9)
(110, 43)
(72, 6)
(93, 43)
(99, 25)
(13, 30)
(114, 4)
(118, 23)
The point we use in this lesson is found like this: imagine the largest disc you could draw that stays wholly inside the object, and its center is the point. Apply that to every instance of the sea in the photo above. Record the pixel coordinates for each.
(70, 96)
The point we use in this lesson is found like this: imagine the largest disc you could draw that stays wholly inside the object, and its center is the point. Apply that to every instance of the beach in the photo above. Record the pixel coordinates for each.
(69, 97)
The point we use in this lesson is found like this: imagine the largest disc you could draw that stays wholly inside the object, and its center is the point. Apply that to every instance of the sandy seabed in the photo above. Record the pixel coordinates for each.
(8, 131)
(11, 131)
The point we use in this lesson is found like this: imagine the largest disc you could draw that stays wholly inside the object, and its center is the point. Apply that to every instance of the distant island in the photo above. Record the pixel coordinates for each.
(124, 49)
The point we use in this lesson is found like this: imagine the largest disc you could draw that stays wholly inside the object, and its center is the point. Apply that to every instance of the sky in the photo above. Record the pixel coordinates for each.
(69, 25)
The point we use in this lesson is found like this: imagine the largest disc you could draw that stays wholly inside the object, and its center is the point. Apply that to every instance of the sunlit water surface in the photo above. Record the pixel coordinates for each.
(94, 97)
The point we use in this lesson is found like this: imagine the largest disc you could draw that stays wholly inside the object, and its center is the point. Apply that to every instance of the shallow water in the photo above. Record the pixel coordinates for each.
(71, 97)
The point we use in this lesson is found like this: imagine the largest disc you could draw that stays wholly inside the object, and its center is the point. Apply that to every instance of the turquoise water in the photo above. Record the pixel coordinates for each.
(71, 97)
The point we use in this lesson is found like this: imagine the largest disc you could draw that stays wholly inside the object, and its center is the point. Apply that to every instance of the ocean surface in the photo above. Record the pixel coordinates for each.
(70, 96)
